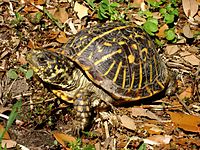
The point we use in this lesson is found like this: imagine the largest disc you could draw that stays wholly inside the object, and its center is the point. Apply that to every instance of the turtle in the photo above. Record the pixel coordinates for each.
(102, 65)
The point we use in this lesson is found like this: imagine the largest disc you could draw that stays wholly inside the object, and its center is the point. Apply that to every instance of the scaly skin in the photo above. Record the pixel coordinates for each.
(74, 88)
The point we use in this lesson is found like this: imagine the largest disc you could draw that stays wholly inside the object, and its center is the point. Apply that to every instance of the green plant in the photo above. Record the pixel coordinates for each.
(78, 145)
(168, 11)
(106, 9)
(15, 109)
(13, 73)
(17, 20)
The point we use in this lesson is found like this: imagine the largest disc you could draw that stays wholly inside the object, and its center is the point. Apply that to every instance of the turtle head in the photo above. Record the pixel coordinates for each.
(52, 68)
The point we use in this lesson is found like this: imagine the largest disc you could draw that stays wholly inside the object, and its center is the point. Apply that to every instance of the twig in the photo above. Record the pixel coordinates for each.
(184, 105)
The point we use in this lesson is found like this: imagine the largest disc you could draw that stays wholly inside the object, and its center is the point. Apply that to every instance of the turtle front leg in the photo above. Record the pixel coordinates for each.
(82, 107)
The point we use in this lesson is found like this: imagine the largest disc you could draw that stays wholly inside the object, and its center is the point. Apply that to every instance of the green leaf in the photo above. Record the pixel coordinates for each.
(163, 11)
(106, 2)
(12, 74)
(29, 74)
(91, 3)
(22, 70)
(143, 147)
(148, 13)
(174, 12)
(169, 18)
(150, 27)
(170, 35)
(17, 106)
(153, 20)
(115, 4)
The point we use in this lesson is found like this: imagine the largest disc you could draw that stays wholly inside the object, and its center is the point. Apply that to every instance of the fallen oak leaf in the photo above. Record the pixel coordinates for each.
(81, 10)
(158, 139)
(187, 32)
(187, 93)
(192, 60)
(161, 32)
(8, 144)
(186, 122)
(63, 139)
(62, 38)
(190, 7)
(61, 14)
(127, 122)
(6, 135)
(144, 112)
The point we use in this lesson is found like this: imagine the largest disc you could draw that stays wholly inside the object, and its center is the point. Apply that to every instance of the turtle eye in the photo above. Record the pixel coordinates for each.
(41, 59)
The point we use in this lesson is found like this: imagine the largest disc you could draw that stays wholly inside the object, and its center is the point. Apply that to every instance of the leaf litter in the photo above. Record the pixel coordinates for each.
(162, 123)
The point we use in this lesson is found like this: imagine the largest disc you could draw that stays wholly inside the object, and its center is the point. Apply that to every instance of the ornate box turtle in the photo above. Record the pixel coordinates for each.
(102, 64)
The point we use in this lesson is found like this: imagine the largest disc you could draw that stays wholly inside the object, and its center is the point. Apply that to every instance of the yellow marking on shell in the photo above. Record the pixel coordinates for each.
(114, 39)
(149, 91)
(110, 68)
(131, 36)
(124, 78)
(134, 46)
(83, 37)
(107, 56)
(107, 44)
(132, 81)
(62, 95)
(140, 82)
(117, 72)
(131, 58)
(150, 73)
(121, 42)
(100, 36)
(155, 61)
(144, 50)
(160, 84)
(71, 45)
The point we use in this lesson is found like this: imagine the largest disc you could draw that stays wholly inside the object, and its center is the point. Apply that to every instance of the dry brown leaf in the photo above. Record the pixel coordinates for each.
(192, 60)
(3, 109)
(31, 44)
(8, 143)
(6, 135)
(190, 7)
(53, 34)
(137, 3)
(143, 112)
(186, 122)
(171, 49)
(187, 32)
(22, 59)
(187, 93)
(128, 122)
(184, 53)
(161, 32)
(61, 14)
(39, 2)
(186, 141)
(81, 10)
(153, 129)
(158, 139)
(63, 139)
(30, 8)
(62, 38)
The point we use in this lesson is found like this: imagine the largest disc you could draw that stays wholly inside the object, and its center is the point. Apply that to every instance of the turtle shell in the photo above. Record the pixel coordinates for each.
(122, 59)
